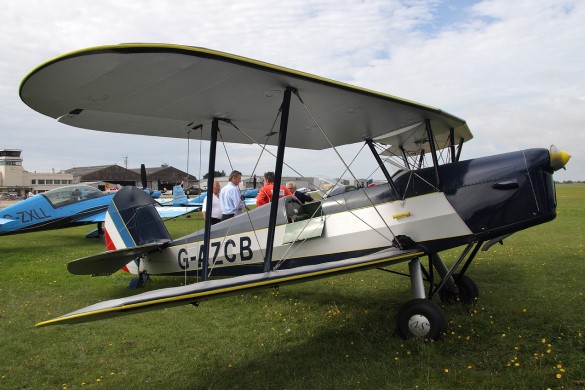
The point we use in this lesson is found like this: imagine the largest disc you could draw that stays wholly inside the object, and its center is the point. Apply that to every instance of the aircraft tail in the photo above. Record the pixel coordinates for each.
(179, 197)
(132, 220)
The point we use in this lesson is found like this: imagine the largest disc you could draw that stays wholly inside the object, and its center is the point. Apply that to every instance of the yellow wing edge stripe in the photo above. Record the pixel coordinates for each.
(229, 289)
(230, 56)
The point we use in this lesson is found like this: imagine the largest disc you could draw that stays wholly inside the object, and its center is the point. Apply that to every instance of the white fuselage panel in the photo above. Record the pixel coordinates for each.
(423, 218)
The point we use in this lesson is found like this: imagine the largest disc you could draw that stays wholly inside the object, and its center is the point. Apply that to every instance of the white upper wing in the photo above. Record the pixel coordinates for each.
(169, 90)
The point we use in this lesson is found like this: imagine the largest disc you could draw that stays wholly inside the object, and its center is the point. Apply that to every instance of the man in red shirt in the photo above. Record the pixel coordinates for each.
(265, 193)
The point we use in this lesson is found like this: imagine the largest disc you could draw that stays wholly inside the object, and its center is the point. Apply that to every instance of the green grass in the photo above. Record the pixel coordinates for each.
(526, 330)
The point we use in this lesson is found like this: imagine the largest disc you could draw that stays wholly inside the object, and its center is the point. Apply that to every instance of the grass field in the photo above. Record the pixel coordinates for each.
(526, 332)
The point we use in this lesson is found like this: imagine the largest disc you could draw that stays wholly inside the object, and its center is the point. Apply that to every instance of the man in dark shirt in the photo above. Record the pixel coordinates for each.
(302, 197)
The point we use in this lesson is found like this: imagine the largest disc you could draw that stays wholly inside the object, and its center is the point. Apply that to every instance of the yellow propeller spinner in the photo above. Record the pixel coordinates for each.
(558, 158)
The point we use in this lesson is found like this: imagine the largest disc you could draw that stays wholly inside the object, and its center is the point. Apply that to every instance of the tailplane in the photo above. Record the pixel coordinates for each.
(133, 228)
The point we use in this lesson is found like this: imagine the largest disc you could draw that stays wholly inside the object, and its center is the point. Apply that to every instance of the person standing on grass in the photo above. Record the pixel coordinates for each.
(265, 193)
(216, 213)
(230, 197)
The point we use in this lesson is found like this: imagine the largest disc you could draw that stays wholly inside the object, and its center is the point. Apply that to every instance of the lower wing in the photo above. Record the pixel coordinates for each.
(193, 293)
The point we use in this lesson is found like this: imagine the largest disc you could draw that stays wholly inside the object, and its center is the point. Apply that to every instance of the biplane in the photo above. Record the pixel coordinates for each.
(432, 201)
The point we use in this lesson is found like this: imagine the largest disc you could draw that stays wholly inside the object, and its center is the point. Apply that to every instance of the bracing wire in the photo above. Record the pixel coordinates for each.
(412, 172)
(292, 248)
(270, 133)
(348, 169)
(226, 154)
(196, 221)
(188, 155)
(264, 148)
(200, 172)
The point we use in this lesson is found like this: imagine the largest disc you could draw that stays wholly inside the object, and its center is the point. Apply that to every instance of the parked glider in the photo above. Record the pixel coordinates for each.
(427, 206)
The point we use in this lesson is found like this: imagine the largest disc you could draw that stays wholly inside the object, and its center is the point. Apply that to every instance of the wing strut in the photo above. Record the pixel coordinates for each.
(209, 199)
(459, 147)
(285, 108)
(383, 168)
(421, 159)
(405, 157)
(433, 151)
(452, 143)
(455, 152)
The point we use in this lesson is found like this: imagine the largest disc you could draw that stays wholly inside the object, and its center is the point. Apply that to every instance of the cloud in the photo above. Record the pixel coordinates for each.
(512, 70)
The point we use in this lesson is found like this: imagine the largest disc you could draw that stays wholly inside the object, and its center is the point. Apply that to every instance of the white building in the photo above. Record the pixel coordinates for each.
(15, 181)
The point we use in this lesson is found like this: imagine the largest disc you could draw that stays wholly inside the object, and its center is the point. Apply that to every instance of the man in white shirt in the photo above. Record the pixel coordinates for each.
(230, 197)
(216, 213)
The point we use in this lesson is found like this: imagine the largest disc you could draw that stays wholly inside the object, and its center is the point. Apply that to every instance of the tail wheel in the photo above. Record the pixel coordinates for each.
(468, 291)
(421, 318)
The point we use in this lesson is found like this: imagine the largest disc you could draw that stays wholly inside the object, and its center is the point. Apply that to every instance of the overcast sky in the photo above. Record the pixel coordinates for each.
(514, 70)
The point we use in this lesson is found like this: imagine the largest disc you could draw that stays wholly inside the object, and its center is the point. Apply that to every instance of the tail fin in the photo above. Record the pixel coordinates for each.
(132, 220)
(179, 197)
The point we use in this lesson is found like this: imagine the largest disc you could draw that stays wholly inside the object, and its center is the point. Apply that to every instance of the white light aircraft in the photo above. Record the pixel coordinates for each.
(434, 202)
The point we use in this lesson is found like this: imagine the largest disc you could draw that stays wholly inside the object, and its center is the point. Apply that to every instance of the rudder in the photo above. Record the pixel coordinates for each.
(132, 220)
(179, 197)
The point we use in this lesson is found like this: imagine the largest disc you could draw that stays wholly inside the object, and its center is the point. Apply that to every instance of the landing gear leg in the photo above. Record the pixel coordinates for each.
(467, 291)
(420, 317)
(441, 268)
(456, 287)
(139, 281)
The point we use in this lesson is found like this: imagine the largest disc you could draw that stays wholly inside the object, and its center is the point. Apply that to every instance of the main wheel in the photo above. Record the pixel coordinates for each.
(468, 291)
(421, 318)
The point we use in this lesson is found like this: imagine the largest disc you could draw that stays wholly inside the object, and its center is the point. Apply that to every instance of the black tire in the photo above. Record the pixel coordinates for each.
(468, 292)
(421, 318)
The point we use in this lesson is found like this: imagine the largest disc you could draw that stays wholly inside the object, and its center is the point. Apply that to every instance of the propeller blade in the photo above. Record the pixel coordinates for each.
(143, 176)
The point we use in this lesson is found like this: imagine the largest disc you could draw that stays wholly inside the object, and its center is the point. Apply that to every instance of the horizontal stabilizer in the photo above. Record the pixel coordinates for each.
(175, 296)
(101, 217)
(95, 233)
(111, 261)
(176, 211)
(4, 221)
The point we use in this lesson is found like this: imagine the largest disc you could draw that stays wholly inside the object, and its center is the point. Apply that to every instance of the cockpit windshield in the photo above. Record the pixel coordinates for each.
(64, 196)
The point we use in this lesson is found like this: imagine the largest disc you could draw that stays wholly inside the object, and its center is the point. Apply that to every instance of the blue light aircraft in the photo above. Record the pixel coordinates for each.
(180, 198)
(63, 207)
(433, 202)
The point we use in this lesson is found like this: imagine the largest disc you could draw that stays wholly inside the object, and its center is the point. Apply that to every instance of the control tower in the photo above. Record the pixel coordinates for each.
(11, 171)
